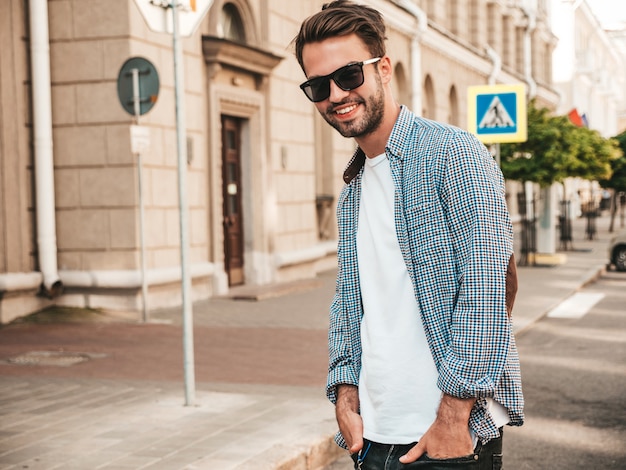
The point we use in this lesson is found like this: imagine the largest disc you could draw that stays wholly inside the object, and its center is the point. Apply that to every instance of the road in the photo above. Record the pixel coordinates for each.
(574, 377)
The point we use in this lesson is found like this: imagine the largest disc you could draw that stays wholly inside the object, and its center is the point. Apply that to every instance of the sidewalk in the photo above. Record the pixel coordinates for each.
(110, 394)
(542, 288)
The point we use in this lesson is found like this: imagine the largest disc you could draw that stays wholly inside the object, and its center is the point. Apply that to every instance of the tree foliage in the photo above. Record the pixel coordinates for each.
(556, 149)
(617, 180)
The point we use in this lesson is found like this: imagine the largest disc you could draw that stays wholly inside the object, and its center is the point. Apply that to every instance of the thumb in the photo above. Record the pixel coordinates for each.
(413, 454)
(356, 446)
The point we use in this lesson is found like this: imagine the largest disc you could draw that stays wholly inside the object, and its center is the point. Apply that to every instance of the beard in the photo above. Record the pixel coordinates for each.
(366, 124)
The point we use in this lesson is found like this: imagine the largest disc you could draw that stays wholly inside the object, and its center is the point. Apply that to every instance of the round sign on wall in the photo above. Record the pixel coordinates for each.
(147, 83)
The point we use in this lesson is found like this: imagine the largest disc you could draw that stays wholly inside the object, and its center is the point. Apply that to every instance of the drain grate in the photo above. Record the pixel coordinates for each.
(52, 358)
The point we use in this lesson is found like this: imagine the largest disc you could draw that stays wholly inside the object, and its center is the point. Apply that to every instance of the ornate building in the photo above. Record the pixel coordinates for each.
(589, 67)
(263, 168)
(590, 77)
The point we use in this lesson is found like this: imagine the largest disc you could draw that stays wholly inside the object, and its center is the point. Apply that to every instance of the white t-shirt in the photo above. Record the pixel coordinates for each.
(398, 383)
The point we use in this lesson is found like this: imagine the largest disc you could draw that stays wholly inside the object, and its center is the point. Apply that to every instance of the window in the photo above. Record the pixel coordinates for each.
(453, 117)
(232, 25)
(508, 41)
(428, 99)
(454, 15)
(476, 17)
(492, 33)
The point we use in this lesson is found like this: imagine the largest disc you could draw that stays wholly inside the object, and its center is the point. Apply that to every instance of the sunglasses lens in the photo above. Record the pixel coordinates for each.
(318, 89)
(350, 77)
(347, 78)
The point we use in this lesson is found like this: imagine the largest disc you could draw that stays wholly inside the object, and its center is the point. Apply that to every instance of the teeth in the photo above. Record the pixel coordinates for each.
(346, 110)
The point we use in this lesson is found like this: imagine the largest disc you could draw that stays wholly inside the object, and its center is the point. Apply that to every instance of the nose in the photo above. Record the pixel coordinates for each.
(336, 93)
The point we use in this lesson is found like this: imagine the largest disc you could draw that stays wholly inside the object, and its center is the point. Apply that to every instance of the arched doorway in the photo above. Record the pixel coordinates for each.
(401, 91)
(428, 102)
(453, 107)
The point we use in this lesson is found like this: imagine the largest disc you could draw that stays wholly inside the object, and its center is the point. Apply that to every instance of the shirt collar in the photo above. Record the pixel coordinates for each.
(396, 141)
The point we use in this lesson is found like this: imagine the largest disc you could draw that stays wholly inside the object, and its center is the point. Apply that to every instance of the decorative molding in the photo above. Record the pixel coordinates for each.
(131, 279)
(240, 56)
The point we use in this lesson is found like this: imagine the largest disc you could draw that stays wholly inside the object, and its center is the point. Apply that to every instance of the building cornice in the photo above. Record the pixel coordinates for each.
(240, 56)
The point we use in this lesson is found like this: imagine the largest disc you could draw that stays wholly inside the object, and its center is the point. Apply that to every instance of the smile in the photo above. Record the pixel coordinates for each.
(346, 110)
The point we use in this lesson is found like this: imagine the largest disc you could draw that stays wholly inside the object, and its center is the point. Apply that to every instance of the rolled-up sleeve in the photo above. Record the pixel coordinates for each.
(342, 368)
(344, 344)
(473, 199)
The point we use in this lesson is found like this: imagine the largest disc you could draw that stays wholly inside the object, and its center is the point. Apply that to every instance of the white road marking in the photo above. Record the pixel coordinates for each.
(576, 306)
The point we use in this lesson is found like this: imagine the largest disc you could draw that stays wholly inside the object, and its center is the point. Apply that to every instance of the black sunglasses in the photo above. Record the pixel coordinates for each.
(347, 78)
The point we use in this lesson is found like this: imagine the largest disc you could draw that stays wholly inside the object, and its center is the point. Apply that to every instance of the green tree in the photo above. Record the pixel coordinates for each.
(593, 154)
(617, 180)
(556, 149)
(542, 158)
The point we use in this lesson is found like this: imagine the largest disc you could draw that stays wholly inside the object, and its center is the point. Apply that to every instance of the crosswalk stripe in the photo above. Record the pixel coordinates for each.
(576, 306)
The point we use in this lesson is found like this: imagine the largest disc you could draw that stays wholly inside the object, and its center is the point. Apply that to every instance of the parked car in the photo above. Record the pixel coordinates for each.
(617, 252)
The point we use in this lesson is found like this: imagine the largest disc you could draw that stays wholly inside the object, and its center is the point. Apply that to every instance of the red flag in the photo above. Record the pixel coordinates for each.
(576, 119)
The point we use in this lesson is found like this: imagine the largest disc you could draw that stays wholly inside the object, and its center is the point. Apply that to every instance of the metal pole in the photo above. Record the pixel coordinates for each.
(144, 281)
(182, 195)
(142, 238)
(498, 153)
(136, 95)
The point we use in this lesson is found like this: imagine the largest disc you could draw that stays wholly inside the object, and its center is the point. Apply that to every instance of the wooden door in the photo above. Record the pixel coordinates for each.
(231, 190)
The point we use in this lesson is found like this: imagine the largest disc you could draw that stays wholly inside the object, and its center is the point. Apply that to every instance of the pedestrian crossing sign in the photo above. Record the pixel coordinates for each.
(497, 113)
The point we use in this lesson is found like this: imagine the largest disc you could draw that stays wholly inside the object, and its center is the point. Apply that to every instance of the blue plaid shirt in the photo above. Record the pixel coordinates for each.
(456, 238)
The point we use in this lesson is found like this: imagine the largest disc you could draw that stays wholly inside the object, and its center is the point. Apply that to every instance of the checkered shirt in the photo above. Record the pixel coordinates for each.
(456, 238)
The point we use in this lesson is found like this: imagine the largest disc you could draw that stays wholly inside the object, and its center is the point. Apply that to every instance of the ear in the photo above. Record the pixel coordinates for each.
(385, 69)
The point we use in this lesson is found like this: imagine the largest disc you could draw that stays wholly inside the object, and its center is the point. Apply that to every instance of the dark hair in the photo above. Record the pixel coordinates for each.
(341, 18)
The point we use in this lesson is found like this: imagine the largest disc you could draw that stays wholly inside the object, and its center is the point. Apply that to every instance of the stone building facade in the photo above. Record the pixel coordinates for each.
(590, 77)
(263, 168)
(589, 67)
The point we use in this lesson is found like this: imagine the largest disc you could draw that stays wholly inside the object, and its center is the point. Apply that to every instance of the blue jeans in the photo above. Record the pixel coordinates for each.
(386, 457)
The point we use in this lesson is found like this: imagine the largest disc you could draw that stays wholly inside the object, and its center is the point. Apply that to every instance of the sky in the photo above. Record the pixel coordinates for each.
(608, 11)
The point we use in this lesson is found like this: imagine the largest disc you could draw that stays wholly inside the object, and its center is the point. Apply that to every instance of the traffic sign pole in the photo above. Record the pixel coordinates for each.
(138, 75)
(155, 12)
(188, 353)
(142, 236)
(144, 281)
(136, 97)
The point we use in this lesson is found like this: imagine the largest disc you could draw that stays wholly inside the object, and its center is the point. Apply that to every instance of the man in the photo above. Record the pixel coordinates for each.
(423, 365)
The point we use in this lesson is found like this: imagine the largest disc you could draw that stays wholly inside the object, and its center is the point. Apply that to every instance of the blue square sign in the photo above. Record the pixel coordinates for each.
(497, 113)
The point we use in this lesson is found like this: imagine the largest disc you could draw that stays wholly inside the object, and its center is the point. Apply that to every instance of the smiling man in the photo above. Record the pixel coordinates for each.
(423, 366)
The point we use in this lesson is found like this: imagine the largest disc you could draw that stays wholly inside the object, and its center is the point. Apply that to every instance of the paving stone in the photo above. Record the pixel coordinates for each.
(260, 370)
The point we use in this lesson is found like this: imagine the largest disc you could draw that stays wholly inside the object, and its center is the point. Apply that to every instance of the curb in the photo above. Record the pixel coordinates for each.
(592, 276)
(316, 457)
(307, 454)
